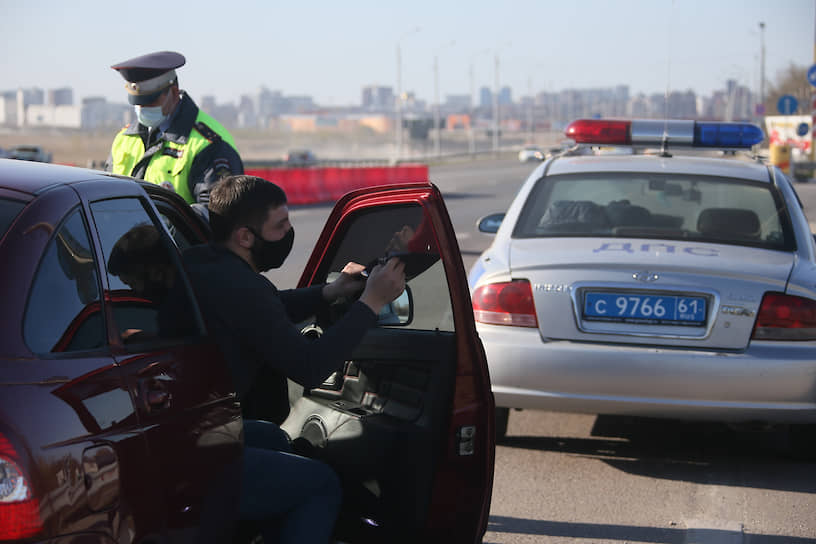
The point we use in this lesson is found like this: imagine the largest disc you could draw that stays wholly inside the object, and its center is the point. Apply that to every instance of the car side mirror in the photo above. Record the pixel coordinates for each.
(490, 223)
(399, 311)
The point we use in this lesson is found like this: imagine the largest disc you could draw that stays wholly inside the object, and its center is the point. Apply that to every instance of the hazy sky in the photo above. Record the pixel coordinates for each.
(331, 49)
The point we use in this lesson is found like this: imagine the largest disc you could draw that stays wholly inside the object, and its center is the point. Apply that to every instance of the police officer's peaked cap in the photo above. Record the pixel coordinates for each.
(149, 75)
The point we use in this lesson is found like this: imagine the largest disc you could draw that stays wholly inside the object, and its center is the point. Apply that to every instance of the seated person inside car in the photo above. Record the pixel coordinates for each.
(142, 262)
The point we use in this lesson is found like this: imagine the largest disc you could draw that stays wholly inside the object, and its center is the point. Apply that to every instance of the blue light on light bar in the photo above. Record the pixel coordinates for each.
(727, 135)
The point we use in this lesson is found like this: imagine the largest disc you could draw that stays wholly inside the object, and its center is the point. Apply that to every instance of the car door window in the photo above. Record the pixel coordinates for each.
(64, 312)
(8, 211)
(148, 294)
(406, 231)
(181, 232)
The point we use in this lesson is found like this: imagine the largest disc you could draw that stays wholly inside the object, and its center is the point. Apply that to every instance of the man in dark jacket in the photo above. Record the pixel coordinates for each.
(253, 323)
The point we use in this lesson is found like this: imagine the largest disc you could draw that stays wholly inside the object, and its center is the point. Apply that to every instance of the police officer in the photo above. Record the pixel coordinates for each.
(174, 144)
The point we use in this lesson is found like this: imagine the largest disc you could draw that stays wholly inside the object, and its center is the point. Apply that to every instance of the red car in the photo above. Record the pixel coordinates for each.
(117, 426)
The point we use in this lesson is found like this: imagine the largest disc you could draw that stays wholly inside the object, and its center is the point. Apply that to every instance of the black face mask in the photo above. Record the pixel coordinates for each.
(268, 255)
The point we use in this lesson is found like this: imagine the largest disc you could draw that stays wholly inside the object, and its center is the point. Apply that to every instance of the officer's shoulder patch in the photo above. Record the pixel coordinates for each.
(221, 167)
(207, 132)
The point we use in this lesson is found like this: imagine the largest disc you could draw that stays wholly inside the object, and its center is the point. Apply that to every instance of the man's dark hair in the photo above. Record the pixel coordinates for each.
(238, 201)
(138, 248)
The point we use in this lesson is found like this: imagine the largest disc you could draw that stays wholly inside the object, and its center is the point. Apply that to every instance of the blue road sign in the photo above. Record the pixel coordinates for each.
(787, 104)
(802, 129)
(811, 75)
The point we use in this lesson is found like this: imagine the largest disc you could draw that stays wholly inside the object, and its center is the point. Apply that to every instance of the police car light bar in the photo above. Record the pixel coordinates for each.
(640, 132)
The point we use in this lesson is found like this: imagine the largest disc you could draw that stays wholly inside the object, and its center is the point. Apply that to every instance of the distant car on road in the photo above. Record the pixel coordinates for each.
(300, 157)
(28, 153)
(659, 284)
(531, 153)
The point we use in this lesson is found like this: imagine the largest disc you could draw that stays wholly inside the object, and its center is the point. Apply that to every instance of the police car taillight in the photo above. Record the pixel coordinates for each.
(508, 303)
(785, 317)
(666, 133)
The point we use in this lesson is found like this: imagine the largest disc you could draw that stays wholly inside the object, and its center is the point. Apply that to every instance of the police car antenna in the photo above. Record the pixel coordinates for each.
(664, 145)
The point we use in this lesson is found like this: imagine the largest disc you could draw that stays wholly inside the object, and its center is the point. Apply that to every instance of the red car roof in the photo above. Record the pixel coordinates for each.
(34, 177)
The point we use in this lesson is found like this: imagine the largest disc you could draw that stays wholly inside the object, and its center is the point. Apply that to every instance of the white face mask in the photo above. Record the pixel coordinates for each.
(150, 116)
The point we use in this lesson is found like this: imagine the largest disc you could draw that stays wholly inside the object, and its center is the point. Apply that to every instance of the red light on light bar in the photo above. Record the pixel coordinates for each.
(600, 132)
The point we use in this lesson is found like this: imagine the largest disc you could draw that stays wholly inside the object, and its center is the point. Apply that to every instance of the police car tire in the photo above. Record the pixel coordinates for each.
(502, 418)
(802, 440)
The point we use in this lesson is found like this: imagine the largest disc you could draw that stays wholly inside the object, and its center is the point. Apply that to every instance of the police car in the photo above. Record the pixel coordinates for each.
(658, 269)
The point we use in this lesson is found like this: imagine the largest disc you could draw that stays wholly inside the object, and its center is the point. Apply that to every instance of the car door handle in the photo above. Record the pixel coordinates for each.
(158, 399)
(155, 392)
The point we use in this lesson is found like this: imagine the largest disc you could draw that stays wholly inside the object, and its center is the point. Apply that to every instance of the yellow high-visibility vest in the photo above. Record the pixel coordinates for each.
(170, 165)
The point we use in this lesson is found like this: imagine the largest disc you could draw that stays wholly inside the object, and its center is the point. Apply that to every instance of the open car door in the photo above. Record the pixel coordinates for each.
(407, 423)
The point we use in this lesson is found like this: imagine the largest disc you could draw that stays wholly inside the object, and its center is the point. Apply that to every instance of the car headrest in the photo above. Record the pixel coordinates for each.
(574, 211)
(624, 214)
(728, 222)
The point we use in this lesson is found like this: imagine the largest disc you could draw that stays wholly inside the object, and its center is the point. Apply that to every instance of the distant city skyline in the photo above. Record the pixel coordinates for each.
(67, 95)
(267, 109)
(330, 50)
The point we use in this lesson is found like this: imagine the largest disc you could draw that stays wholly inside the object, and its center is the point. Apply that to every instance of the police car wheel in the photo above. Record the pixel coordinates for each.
(502, 418)
(802, 440)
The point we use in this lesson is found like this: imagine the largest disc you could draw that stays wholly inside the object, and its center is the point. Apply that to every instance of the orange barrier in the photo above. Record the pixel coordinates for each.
(327, 184)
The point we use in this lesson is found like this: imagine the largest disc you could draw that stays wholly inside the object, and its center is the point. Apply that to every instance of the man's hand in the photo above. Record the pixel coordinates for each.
(349, 283)
(385, 283)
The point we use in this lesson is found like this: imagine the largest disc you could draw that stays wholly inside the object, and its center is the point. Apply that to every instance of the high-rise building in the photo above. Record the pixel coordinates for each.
(61, 97)
(8, 108)
(505, 96)
(378, 98)
(457, 103)
(207, 103)
(485, 97)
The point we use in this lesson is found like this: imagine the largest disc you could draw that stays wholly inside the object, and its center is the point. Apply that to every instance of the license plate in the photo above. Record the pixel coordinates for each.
(645, 309)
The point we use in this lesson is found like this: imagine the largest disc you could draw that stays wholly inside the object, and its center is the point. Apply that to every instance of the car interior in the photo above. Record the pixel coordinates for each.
(714, 210)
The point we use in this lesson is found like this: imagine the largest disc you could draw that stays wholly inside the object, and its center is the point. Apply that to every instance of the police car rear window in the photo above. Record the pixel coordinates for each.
(659, 206)
(8, 211)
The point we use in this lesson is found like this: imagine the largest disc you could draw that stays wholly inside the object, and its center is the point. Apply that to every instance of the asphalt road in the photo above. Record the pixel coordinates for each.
(569, 478)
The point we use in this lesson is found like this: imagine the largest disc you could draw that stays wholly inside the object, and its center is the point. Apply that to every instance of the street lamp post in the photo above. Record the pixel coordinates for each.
(762, 64)
(813, 111)
(398, 100)
(530, 125)
(437, 146)
(496, 103)
(471, 137)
